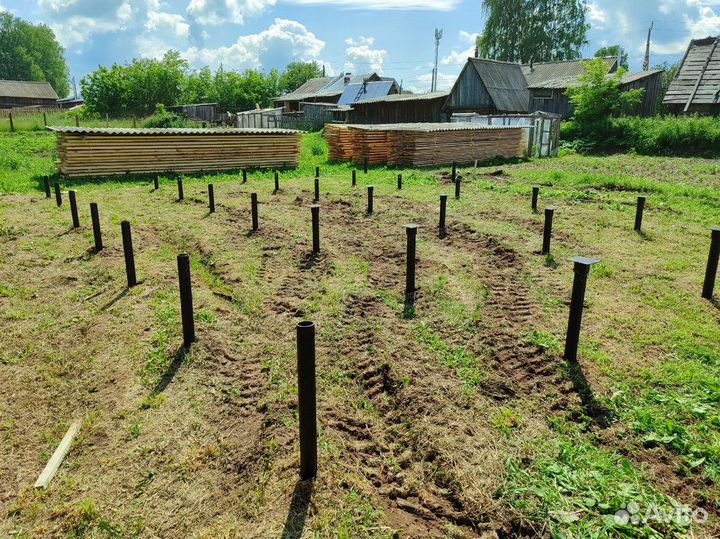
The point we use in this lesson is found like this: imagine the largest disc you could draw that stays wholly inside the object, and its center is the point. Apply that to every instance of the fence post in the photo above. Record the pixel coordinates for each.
(181, 191)
(254, 210)
(129, 255)
(370, 201)
(277, 182)
(443, 211)
(45, 119)
(458, 181)
(244, 176)
(211, 197)
(307, 411)
(399, 181)
(58, 195)
(411, 232)
(582, 269)
(712, 264)
(317, 189)
(156, 183)
(186, 301)
(315, 210)
(547, 230)
(46, 181)
(12, 125)
(97, 234)
(354, 178)
(535, 193)
(74, 210)
(639, 213)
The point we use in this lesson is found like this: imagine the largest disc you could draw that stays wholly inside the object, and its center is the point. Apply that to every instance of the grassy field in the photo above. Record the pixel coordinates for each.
(460, 421)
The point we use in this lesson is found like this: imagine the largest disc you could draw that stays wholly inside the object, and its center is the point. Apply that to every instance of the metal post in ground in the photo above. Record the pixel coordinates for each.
(399, 181)
(307, 411)
(712, 264)
(97, 234)
(12, 124)
(443, 212)
(639, 213)
(254, 209)
(354, 178)
(582, 269)
(317, 172)
(244, 176)
(74, 209)
(453, 174)
(317, 190)
(458, 180)
(156, 183)
(181, 191)
(129, 255)
(45, 119)
(547, 230)
(46, 181)
(186, 301)
(534, 204)
(315, 210)
(277, 182)
(365, 165)
(370, 201)
(58, 195)
(411, 232)
(211, 197)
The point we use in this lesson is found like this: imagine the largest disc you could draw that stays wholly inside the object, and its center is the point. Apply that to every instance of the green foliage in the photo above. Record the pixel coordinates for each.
(614, 50)
(298, 73)
(671, 135)
(669, 73)
(30, 52)
(134, 89)
(533, 30)
(575, 489)
(164, 118)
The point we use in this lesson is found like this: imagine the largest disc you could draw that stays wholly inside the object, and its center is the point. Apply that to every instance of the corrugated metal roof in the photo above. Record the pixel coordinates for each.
(337, 85)
(359, 92)
(570, 82)
(169, 131)
(407, 97)
(505, 83)
(543, 73)
(701, 63)
(426, 127)
(309, 89)
(27, 89)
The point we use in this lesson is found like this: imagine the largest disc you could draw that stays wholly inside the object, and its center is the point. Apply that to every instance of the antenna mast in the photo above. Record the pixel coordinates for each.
(646, 61)
(438, 37)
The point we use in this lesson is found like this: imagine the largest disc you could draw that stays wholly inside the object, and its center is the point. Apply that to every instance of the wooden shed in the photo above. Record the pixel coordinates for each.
(489, 86)
(696, 87)
(17, 94)
(399, 108)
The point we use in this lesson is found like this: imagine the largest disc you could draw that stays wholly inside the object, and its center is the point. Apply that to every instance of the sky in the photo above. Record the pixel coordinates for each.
(392, 37)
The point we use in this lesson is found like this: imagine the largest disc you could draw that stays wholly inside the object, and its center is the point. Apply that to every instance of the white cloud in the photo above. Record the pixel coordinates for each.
(362, 58)
(422, 83)
(215, 12)
(596, 14)
(431, 5)
(284, 41)
(468, 37)
(707, 22)
(162, 32)
(362, 40)
(458, 57)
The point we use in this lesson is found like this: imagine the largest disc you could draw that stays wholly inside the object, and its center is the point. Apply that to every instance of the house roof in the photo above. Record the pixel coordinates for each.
(326, 86)
(360, 91)
(572, 81)
(546, 74)
(408, 97)
(504, 82)
(696, 82)
(308, 89)
(27, 89)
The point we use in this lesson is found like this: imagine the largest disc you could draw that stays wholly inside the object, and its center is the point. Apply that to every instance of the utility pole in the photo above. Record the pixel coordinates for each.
(74, 88)
(438, 37)
(646, 61)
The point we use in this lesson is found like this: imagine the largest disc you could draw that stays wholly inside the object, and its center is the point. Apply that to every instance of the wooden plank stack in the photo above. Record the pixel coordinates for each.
(85, 152)
(418, 145)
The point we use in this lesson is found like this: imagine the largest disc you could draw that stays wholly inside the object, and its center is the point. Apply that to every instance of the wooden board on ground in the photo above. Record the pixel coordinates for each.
(418, 145)
(55, 461)
(85, 152)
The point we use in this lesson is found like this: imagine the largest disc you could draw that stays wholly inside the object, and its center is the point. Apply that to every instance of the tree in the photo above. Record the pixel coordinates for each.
(533, 30)
(30, 52)
(298, 73)
(599, 96)
(615, 51)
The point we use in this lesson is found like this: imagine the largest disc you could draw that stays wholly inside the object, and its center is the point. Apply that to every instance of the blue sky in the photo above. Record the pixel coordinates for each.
(394, 37)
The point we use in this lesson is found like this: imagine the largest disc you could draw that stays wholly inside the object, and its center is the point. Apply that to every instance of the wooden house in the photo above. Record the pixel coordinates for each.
(324, 90)
(18, 94)
(487, 87)
(396, 108)
(696, 87)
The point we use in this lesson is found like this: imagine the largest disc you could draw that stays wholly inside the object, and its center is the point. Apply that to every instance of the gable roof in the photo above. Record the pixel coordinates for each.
(504, 82)
(540, 74)
(360, 91)
(572, 81)
(326, 86)
(696, 82)
(27, 89)
(308, 89)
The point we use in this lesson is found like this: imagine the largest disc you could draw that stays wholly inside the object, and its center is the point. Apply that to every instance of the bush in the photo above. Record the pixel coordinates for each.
(671, 136)
(164, 118)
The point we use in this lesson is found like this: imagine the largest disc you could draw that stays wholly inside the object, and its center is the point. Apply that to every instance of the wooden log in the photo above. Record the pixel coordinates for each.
(55, 461)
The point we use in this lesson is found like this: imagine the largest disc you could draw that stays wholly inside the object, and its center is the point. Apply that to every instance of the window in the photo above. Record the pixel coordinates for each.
(542, 94)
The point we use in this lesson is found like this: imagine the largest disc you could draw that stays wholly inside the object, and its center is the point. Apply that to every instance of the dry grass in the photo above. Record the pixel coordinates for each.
(418, 416)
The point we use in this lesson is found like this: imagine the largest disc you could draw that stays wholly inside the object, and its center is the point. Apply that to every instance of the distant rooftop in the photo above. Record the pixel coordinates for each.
(27, 89)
